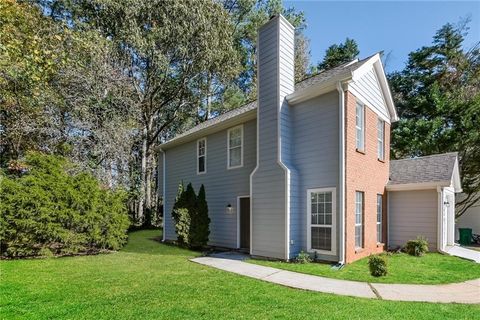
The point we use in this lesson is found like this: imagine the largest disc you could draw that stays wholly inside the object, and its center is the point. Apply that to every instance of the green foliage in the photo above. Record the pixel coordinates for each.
(338, 54)
(437, 96)
(190, 215)
(53, 209)
(378, 265)
(417, 247)
(303, 257)
(200, 221)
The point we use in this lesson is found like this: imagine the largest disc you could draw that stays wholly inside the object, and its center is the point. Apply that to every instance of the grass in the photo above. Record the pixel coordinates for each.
(149, 280)
(433, 268)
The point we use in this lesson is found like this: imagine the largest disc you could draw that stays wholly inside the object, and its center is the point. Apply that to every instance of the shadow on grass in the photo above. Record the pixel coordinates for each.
(149, 242)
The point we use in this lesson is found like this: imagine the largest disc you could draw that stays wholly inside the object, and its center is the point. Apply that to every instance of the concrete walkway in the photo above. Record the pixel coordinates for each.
(464, 292)
(464, 253)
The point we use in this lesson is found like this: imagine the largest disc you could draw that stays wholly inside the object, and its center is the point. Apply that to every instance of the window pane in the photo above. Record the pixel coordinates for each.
(235, 137)
(321, 197)
(201, 164)
(328, 207)
(235, 157)
(328, 219)
(322, 238)
(328, 197)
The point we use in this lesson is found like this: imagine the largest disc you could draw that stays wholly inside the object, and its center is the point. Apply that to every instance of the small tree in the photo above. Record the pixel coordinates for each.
(190, 214)
(200, 221)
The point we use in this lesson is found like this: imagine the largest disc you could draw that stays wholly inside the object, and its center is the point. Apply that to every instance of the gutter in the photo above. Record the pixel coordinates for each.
(163, 190)
(341, 97)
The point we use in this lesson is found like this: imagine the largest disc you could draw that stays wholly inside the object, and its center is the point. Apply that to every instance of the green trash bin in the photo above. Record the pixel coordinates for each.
(465, 236)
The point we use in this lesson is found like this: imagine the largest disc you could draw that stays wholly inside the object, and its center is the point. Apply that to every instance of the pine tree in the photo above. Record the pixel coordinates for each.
(200, 222)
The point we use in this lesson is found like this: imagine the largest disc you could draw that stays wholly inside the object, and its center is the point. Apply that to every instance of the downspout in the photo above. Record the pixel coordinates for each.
(341, 96)
(164, 200)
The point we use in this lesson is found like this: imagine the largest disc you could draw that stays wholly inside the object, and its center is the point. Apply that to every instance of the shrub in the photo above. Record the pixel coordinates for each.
(303, 257)
(52, 209)
(190, 216)
(200, 221)
(417, 247)
(377, 265)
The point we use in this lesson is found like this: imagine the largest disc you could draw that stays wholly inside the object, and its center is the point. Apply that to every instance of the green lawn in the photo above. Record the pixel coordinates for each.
(148, 280)
(433, 268)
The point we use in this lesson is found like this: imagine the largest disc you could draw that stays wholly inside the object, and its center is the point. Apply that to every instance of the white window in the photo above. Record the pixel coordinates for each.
(235, 148)
(380, 139)
(321, 220)
(359, 219)
(202, 156)
(379, 218)
(360, 126)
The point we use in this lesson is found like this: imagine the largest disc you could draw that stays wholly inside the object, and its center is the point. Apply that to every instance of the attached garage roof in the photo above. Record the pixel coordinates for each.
(434, 170)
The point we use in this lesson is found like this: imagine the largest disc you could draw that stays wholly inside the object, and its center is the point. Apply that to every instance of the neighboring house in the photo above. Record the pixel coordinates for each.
(305, 167)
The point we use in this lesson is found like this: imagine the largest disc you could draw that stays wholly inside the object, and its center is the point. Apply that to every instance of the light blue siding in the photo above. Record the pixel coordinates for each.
(269, 181)
(315, 151)
(222, 186)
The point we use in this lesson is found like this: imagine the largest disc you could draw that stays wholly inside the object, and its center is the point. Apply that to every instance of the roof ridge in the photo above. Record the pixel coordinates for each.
(428, 156)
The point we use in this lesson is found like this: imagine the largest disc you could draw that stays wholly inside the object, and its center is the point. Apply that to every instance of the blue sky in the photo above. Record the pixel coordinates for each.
(397, 28)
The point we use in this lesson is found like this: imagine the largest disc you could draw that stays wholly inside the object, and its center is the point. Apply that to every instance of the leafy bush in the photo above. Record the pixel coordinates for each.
(52, 209)
(190, 215)
(417, 247)
(303, 257)
(377, 265)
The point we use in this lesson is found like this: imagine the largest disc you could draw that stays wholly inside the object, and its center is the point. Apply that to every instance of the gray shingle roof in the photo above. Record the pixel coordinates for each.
(221, 118)
(323, 76)
(326, 75)
(434, 168)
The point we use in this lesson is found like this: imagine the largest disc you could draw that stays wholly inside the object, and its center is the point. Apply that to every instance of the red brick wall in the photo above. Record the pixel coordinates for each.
(364, 172)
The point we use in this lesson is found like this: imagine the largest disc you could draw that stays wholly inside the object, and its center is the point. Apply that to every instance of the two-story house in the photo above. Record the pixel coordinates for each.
(305, 167)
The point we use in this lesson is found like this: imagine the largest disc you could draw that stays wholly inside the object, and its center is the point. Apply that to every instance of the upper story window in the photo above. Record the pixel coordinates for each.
(235, 148)
(360, 126)
(202, 156)
(381, 139)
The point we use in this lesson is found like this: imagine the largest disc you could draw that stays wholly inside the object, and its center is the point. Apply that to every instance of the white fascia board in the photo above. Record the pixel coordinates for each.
(417, 186)
(456, 181)
(376, 62)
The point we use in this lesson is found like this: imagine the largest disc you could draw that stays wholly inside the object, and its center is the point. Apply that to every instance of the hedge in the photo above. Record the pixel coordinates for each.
(52, 208)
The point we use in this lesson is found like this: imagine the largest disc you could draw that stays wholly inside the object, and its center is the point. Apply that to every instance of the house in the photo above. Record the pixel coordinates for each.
(305, 167)
(470, 219)
(421, 195)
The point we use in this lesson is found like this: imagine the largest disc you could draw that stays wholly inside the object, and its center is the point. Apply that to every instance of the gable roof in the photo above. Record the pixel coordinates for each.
(428, 171)
(317, 84)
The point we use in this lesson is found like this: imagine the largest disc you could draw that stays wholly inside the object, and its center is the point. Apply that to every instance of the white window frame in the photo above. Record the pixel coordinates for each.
(241, 147)
(362, 240)
(380, 139)
(380, 215)
(204, 155)
(361, 128)
(333, 225)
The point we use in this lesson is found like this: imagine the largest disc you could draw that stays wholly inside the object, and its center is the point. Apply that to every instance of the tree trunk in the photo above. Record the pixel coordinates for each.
(143, 175)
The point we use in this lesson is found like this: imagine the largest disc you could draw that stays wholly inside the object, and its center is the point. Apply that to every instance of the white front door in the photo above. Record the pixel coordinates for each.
(321, 220)
(448, 219)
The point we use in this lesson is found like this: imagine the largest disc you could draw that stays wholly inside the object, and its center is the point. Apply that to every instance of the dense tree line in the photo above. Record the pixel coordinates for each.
(105, 82)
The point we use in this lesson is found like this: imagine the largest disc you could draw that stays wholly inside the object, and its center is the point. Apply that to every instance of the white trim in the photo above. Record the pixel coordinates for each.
(362, 223)
(341, 192)
(333, 225)
(164, 161)
(417, 186)
(362, 128)
(381, 124)
(241, 147)
(238, 218)
(205, 156)
(439, 218)
(381, 223)
(279, 154)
